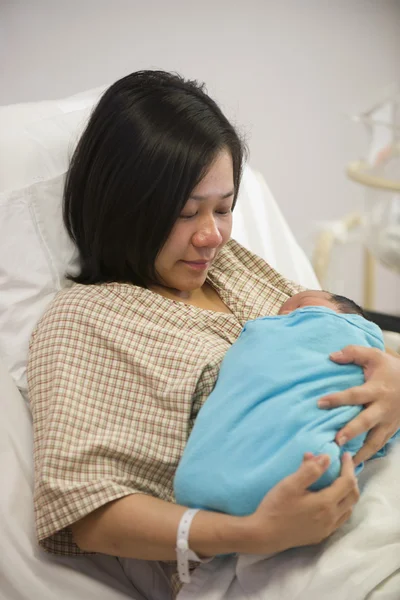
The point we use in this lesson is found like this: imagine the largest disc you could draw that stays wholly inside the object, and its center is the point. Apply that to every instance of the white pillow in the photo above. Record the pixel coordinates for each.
(37, 141)
(37, 138)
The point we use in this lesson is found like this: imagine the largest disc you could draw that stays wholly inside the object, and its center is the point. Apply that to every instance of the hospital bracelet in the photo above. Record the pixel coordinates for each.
(183, 552)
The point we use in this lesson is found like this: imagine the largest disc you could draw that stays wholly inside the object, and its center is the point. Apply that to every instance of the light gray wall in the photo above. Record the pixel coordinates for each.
(286, 71)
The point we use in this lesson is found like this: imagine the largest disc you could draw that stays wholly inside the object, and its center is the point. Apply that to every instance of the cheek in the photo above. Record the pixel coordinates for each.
(173, 247)
(225, 228)
(179, 239)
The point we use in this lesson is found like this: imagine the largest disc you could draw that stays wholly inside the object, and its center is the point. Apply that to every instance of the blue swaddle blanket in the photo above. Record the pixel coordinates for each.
(262, 415)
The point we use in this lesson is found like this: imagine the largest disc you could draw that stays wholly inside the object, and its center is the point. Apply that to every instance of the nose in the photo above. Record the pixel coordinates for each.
(208, 234)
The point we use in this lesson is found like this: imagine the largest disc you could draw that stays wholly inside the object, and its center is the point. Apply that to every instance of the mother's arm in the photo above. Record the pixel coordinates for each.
(380, 394)
(143, 527)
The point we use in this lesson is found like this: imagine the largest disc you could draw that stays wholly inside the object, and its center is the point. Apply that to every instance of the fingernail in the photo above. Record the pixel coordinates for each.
(324, 403)
(342, 440)
(337, 354)
(321, 460)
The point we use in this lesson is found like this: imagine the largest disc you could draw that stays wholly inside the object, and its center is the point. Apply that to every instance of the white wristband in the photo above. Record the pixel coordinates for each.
(183, 552)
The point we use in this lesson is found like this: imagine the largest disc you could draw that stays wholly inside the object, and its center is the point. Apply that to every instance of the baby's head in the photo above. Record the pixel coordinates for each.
(339, 304)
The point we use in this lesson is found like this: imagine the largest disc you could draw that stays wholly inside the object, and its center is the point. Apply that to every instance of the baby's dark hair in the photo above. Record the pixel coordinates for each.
(346, 305)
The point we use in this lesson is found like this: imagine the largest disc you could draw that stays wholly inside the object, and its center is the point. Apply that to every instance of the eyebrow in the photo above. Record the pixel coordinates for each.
(222, 196)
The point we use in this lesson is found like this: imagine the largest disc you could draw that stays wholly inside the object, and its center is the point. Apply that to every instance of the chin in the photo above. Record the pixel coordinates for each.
(190, 284)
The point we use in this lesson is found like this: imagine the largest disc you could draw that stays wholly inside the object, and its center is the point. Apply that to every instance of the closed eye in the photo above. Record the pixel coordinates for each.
(218, 212)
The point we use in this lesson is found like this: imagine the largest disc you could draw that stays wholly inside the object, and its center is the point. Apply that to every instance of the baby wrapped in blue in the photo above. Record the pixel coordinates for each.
(262, 415)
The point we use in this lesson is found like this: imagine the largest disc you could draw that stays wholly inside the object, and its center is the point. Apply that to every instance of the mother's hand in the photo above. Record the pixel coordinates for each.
(291, 516)
(380, 394)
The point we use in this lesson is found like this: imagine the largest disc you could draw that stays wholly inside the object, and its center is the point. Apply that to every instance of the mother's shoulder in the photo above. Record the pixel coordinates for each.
(88, 301)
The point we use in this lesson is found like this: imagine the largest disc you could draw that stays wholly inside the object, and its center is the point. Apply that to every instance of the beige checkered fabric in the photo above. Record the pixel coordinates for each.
(117, 375)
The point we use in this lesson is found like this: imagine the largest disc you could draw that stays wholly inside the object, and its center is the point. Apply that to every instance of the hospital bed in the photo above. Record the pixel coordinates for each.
(36, 142)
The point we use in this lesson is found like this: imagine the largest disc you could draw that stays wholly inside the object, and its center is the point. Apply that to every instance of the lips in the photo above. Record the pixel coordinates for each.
(197, 262)
(198, 265)
(200, 260)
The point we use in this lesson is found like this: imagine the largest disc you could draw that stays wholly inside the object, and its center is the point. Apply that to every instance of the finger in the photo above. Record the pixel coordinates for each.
(344, 485)
(374, 441)
(366, 420)
(309, 472)
(350, 500)
(355, 396)
(347, 471)
(356, 354)
(343, 519)
(308, 456)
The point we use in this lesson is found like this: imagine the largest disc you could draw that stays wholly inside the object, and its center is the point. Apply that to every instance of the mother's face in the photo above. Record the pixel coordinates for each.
(200, 232)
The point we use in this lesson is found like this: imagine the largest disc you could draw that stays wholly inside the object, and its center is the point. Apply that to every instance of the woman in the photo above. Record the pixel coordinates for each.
(121, 363)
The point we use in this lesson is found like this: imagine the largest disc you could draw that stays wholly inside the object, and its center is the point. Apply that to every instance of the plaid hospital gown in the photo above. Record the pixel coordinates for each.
(117, 375)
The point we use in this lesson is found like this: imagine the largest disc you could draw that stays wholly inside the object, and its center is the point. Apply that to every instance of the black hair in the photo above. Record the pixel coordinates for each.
(346, 305)
(148, 143)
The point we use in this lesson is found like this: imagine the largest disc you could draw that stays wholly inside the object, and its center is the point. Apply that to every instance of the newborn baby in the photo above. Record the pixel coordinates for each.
(262, 415)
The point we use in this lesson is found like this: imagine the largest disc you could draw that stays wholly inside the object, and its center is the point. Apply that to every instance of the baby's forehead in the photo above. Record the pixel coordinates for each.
(311, 295)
